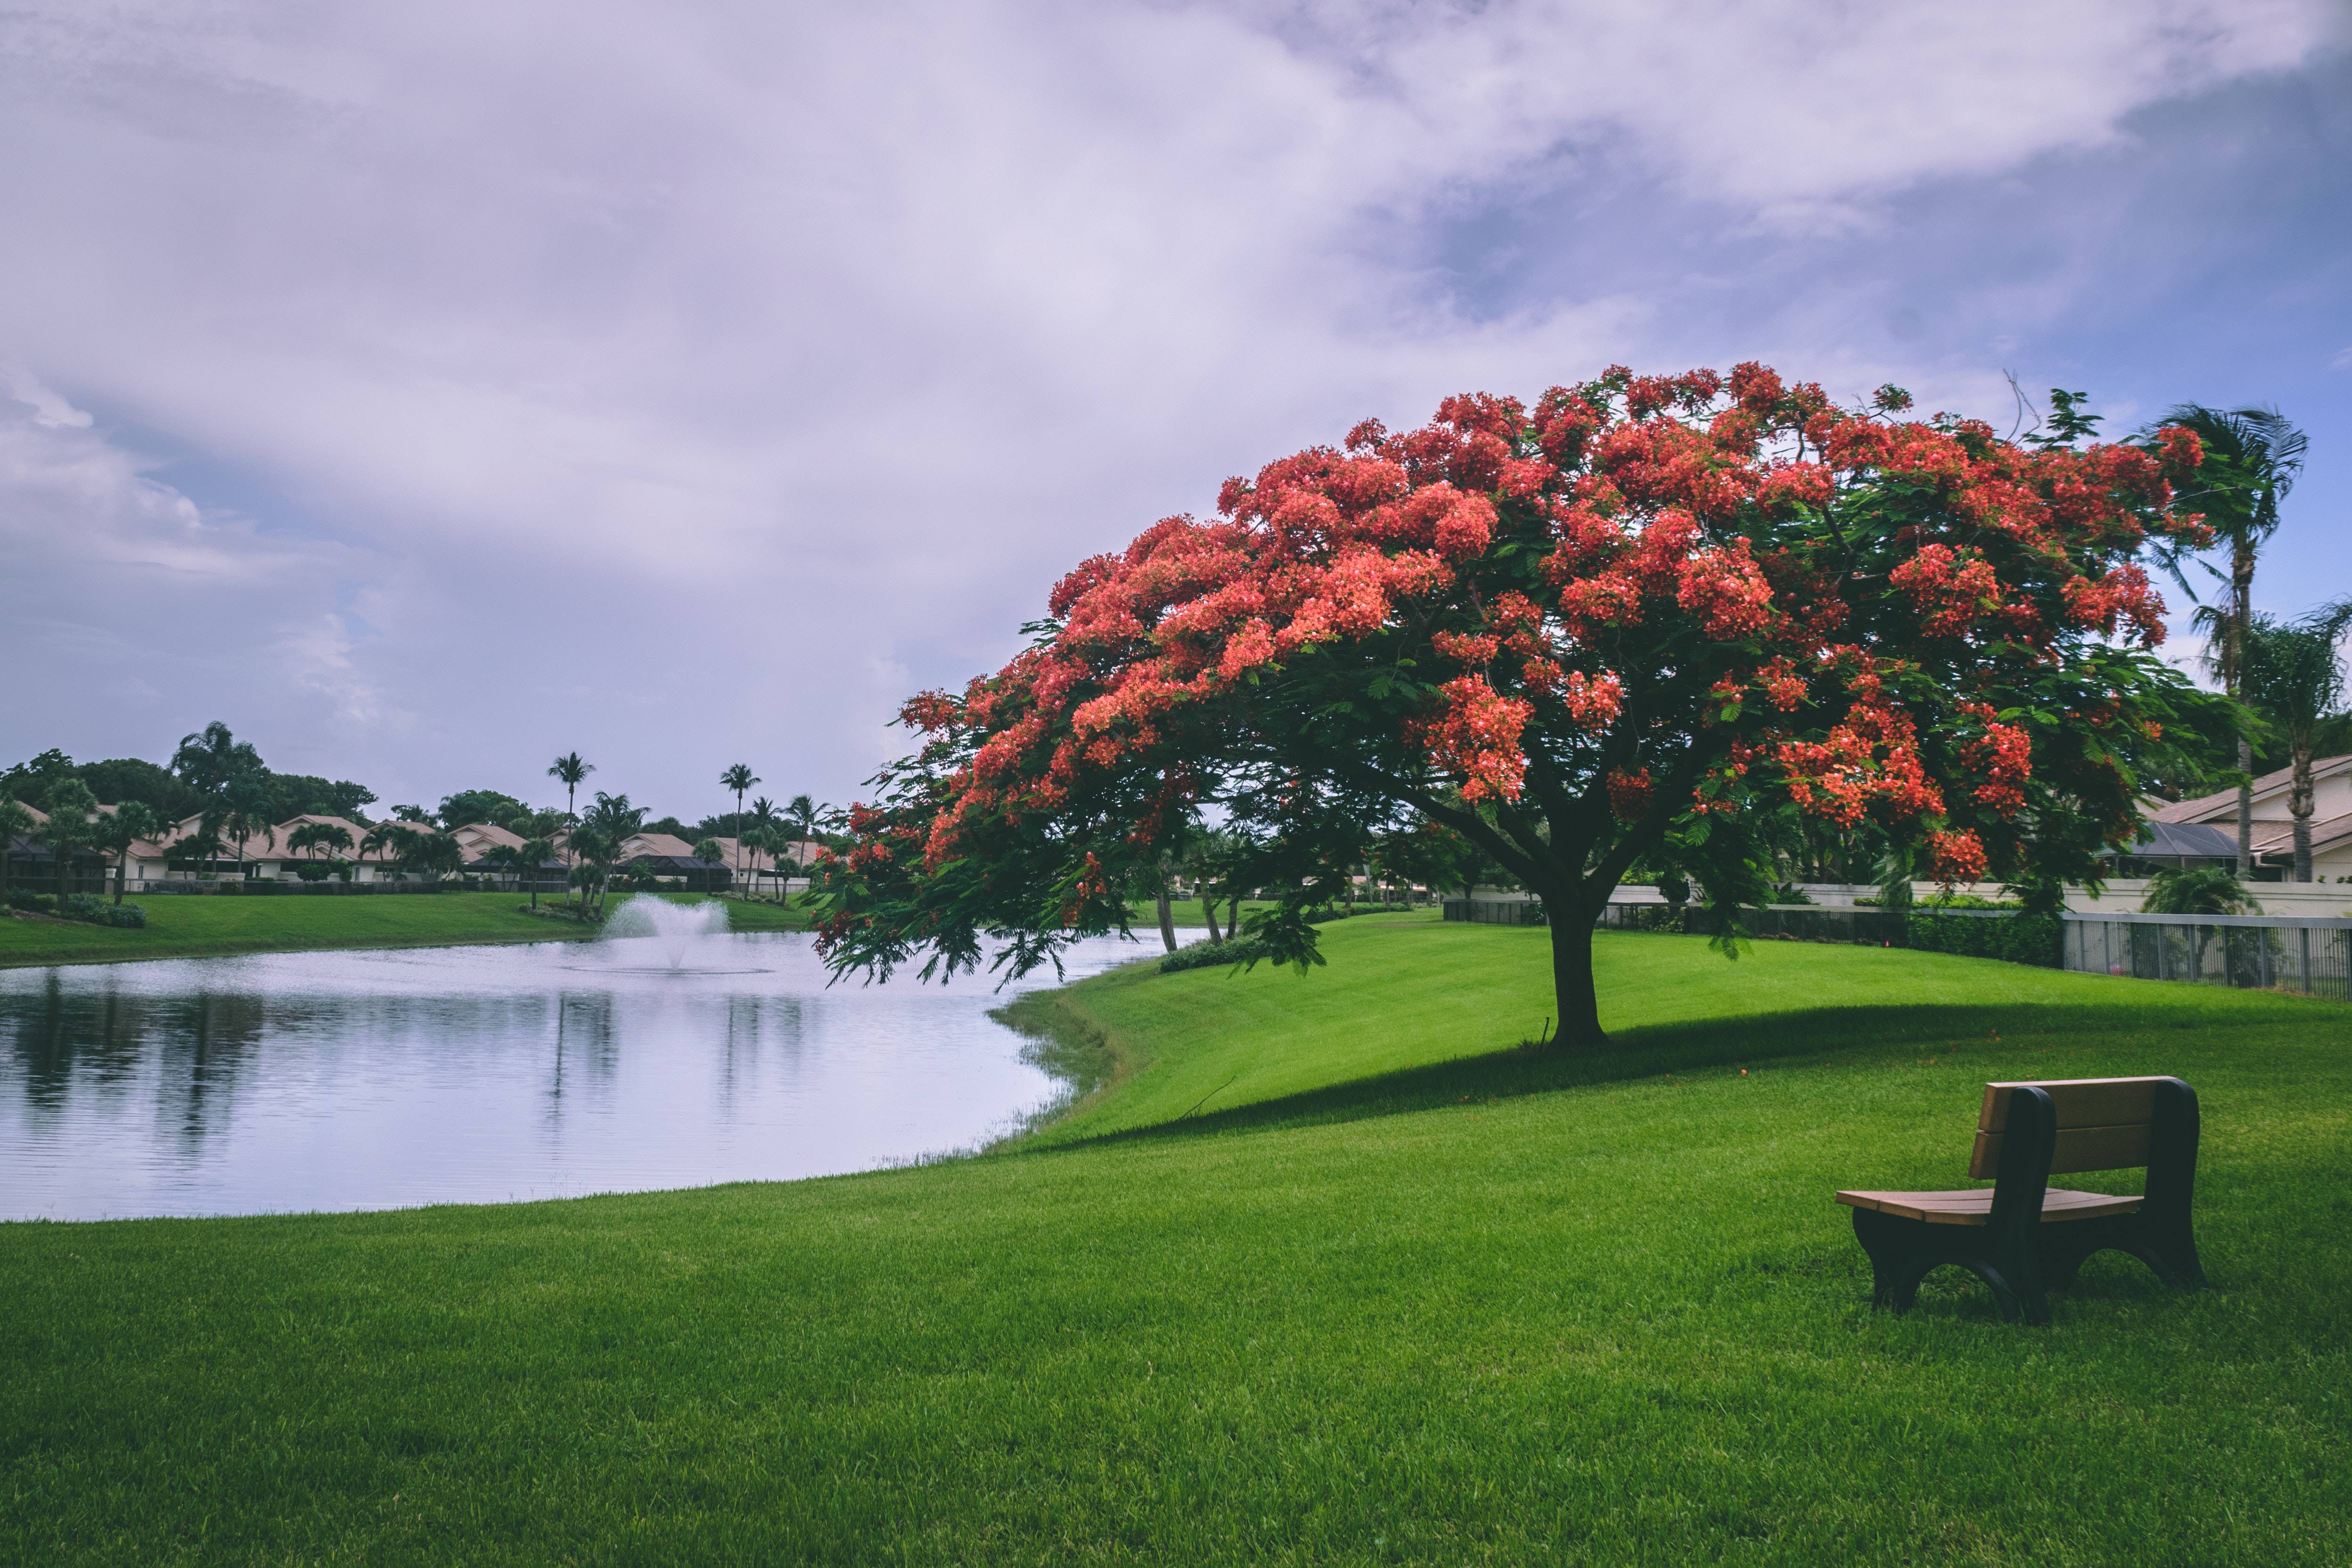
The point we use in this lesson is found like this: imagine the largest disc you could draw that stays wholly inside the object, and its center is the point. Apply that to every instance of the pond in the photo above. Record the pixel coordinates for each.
(380, 1080)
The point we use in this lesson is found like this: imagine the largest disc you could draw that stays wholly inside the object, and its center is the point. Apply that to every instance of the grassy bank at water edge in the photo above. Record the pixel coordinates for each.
(1397, 1293)
(181, 926)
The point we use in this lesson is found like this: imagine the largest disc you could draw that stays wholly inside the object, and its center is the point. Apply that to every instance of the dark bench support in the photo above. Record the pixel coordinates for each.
(2021, 1238)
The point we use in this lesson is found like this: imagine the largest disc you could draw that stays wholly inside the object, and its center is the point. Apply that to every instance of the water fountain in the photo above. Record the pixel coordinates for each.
(683, 931)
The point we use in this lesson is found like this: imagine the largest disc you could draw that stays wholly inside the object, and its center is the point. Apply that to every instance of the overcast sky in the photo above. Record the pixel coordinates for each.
(428, 389)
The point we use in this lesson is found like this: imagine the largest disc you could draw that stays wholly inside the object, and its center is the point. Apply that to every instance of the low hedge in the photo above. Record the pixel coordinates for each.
(1205, 955)
(2017, 938)
(82, 906)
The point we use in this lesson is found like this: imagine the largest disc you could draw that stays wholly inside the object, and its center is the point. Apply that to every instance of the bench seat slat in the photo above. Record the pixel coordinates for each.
(1973, 1206)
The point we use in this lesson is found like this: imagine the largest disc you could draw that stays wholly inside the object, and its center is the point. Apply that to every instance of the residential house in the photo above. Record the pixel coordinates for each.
(2274, 838)
(33, 864)
(756, 865)
(264, 855)
(479, 841)
(667, 856)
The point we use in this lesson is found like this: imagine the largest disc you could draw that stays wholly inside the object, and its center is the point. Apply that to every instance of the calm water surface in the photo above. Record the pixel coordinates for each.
(339, 1081)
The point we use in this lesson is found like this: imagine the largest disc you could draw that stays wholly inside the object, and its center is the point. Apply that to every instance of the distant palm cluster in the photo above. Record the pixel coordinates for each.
(217, 813)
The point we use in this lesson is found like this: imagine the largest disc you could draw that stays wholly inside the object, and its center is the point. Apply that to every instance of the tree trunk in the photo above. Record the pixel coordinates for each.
(1571, 972)
(1232, 916)
(1166, 914)
(121, 874)
(2299, 805)
(2245, 810)
(1209, 912)
(2242, 611)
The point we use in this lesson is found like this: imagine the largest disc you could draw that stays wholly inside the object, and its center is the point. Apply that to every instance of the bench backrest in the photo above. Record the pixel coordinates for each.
(2103, 1123)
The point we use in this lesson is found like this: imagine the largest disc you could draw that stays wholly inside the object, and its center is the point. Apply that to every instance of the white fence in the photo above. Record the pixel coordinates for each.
(2265, 952)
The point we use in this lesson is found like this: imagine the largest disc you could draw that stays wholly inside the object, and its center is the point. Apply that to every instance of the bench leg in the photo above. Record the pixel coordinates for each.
(2166, 1245)
(1894, 1270)
(2170, 1250)
(1903, 1251)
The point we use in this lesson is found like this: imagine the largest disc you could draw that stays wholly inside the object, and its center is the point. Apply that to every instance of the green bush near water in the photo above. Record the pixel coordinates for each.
(86, 908)
(1206, 955)
(1331, 1272)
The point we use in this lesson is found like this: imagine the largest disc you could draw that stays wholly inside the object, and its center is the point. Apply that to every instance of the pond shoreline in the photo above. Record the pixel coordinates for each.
(233, 925)
(384, 1079)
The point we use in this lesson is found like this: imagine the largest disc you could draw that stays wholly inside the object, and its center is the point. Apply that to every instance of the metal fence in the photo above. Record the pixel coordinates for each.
(2254, 952)
(1495, 911)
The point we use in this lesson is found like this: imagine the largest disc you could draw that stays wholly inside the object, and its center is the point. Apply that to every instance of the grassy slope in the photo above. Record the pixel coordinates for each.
(180, 926)
(1392, 1001)
(1617, 1321)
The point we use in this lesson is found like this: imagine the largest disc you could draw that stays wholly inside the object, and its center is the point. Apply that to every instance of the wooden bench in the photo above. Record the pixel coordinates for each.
(2021, 1236)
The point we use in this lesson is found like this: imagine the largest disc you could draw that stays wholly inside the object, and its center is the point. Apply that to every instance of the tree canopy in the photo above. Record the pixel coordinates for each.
(1628, 623)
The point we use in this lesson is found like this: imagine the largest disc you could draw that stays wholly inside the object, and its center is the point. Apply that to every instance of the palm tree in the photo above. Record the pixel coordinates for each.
(569, 771)
(434, 854)
(130, 822)
(210, 761)
(738, 778)
(604, 829)
(312, 837)
(71, 807)
(398, 838)
(15, 823)
(2252, 456)
(802, 813)
(525, 858)
(245, 813)
(2294, 677)
(762, 835)
(709, 852)
(195, 851)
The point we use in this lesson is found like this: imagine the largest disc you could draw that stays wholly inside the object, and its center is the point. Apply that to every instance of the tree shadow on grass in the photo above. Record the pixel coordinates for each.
(1819, 1034)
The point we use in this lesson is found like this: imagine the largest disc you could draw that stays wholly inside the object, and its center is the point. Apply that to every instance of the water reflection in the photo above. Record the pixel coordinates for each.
(369, 1080)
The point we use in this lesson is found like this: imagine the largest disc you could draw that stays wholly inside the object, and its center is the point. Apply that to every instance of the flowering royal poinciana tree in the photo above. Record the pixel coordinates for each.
(1634, 622)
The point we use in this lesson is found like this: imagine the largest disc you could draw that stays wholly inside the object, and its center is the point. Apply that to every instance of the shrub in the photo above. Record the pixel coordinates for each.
(1204, 955)
(1963, 900)
(2198, 890)
(2017, 938)
(22, 898)
(98, 912)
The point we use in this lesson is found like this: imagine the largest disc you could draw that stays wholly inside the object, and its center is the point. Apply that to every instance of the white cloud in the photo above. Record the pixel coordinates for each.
(674, 370)
(48, 408)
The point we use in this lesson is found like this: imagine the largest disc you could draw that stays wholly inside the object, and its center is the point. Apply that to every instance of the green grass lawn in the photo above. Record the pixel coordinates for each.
(1396, 1292)
(185, 926)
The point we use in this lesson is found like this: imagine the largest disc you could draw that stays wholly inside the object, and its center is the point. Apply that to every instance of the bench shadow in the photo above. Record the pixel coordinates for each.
(1848, 1033)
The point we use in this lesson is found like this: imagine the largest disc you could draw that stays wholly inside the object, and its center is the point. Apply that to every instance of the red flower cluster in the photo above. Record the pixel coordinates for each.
(1630, 792)
(1870, 760)
(2004, 753)
(1476, 735)
(2122, 597)
(1624, 545)
(1956, 856)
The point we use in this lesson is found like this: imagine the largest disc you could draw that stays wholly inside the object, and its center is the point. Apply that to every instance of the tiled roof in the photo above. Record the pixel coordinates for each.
(2223, 803)
(657, 844)
(797, 855)
(2278, 839)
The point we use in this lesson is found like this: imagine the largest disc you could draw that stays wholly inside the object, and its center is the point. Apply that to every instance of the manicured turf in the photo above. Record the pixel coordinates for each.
(1509, 1306)
(184, 926)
